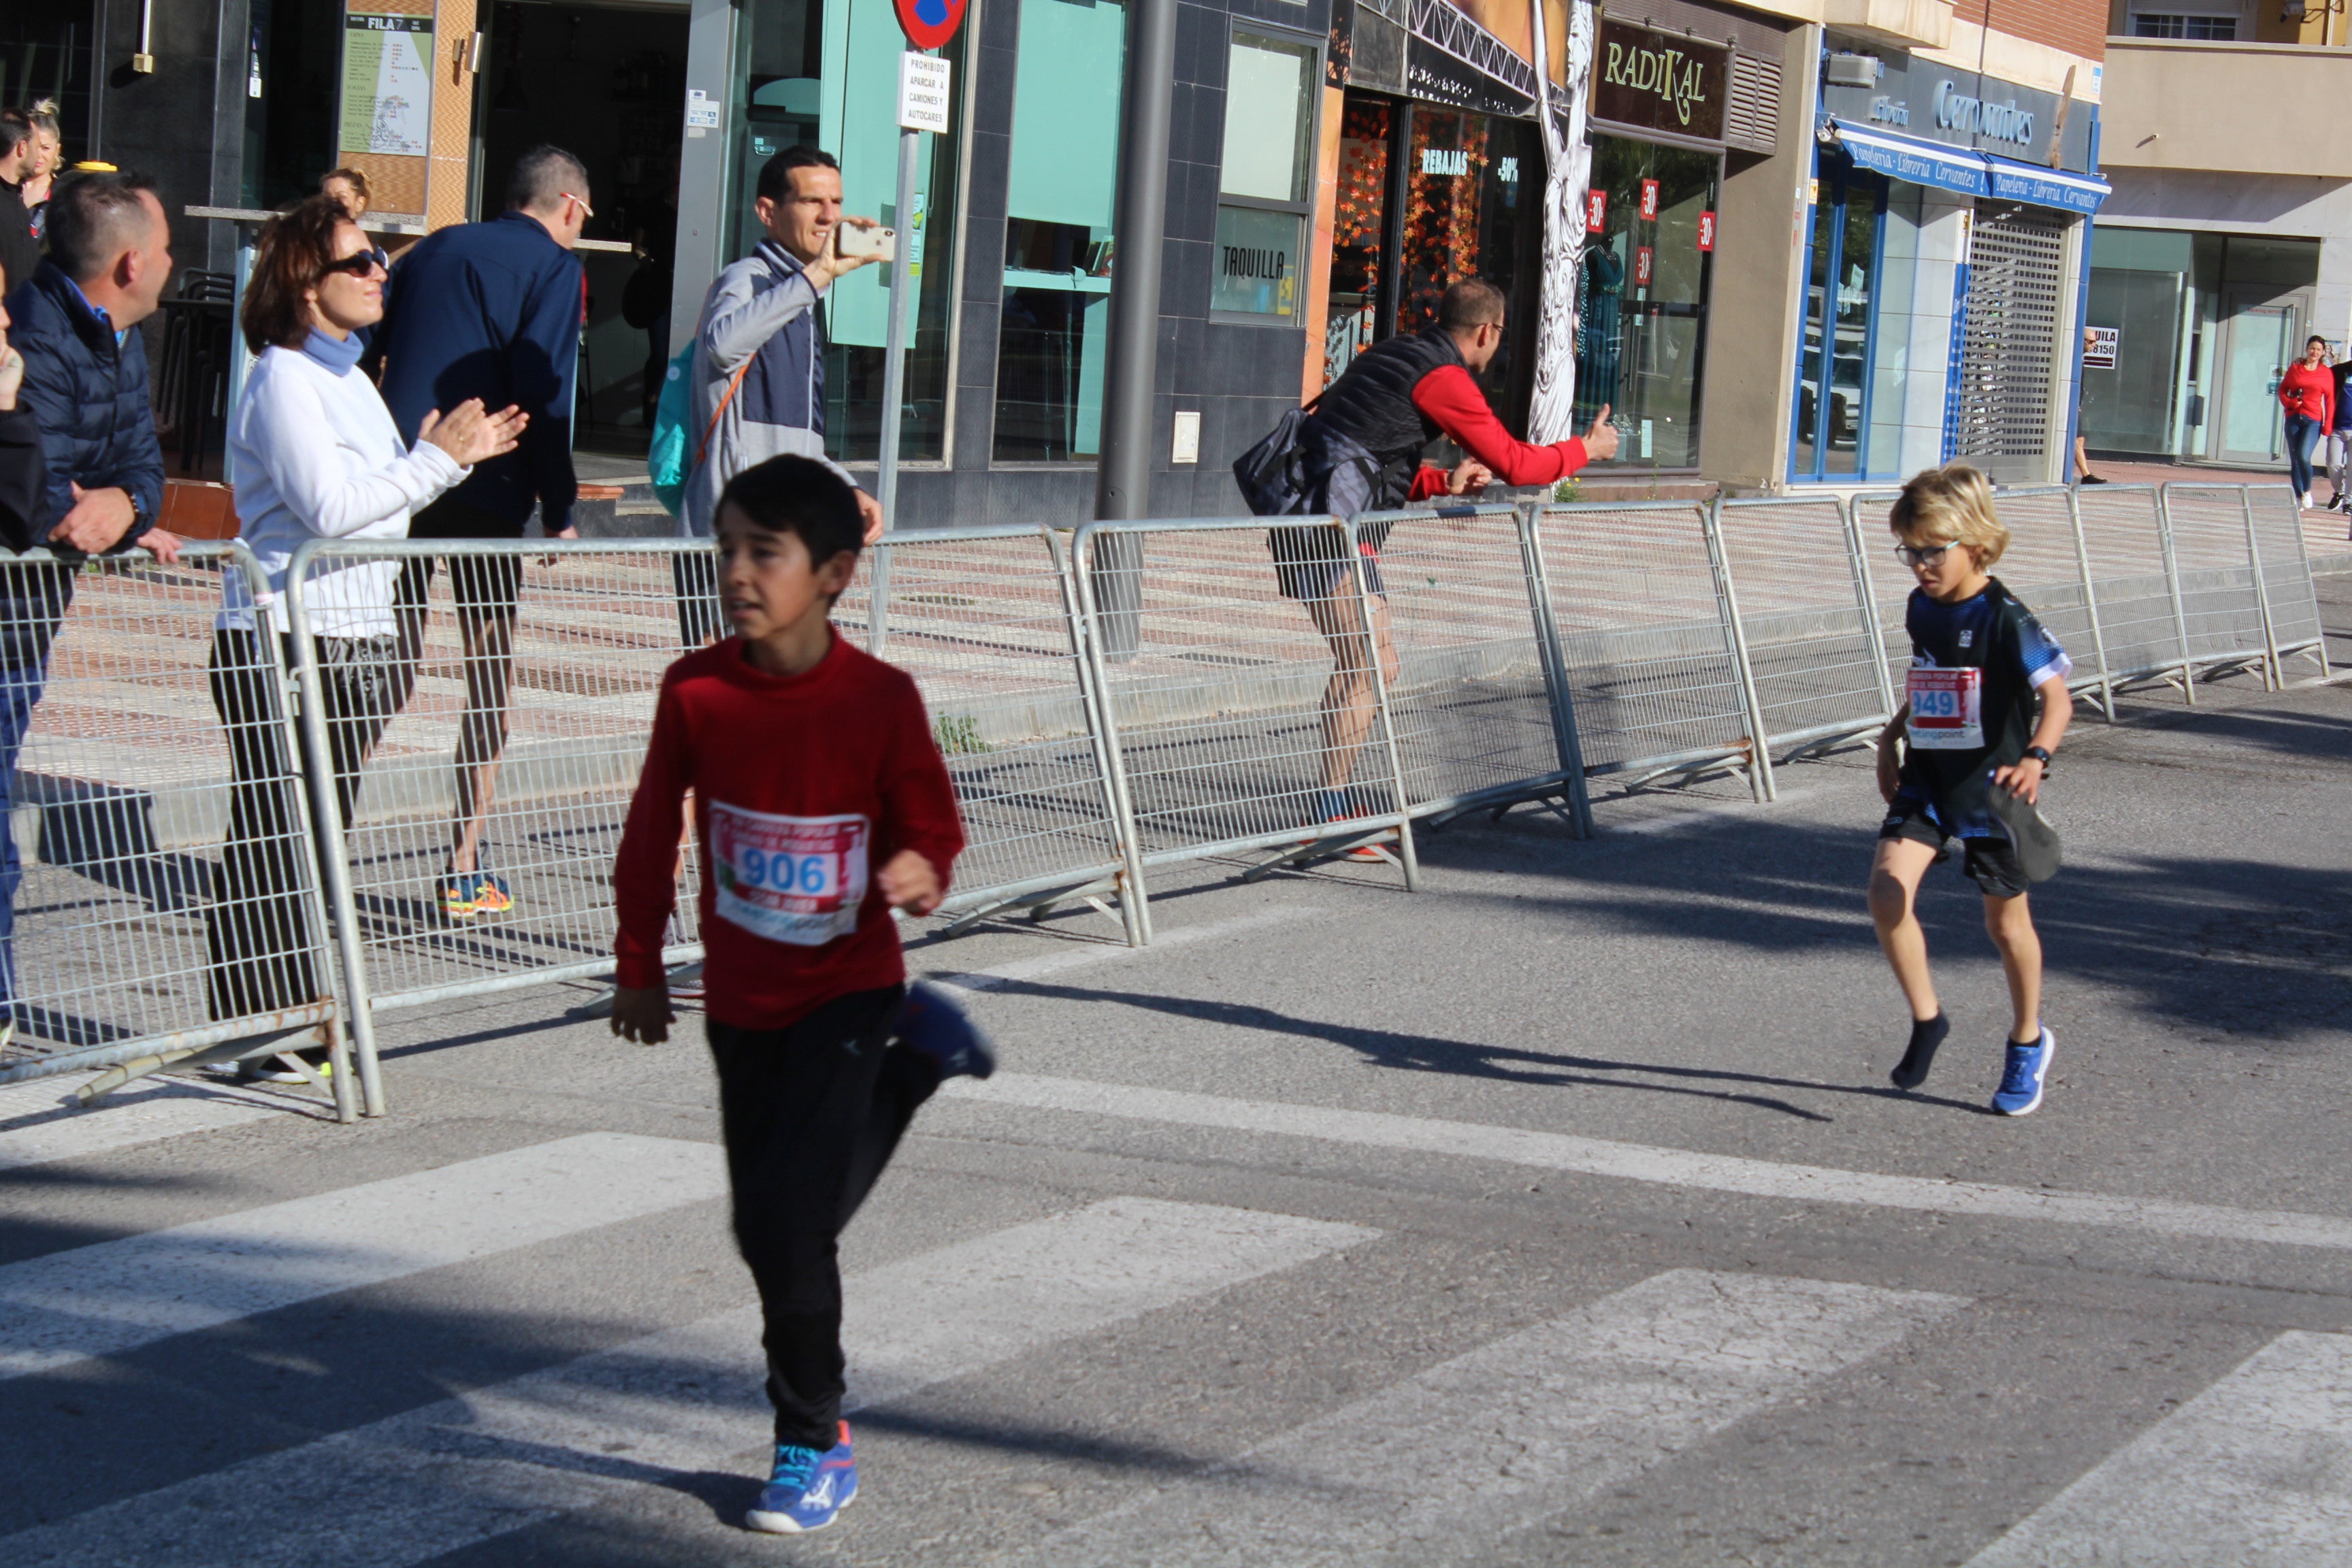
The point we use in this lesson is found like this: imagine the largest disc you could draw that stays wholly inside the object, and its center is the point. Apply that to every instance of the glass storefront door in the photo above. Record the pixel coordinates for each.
(2262, 342)
(825, 73)
(1643, 318)
(1834, 356)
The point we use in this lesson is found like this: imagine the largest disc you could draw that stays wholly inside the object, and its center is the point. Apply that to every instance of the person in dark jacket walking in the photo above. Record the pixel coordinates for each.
(1363, 447)
(75, 327)
(491, 310)
(20, 248)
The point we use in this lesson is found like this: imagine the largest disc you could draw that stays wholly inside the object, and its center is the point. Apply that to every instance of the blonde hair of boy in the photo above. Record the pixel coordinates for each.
(1951, 505)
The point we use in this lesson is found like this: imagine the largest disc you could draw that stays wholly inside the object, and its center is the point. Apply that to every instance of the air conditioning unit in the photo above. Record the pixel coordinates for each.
(1854, 71)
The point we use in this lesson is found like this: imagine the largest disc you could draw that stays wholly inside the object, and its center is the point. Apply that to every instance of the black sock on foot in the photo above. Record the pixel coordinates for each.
(1925, 1036)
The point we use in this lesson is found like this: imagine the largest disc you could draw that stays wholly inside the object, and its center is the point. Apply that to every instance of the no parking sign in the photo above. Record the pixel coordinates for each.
(929, 23)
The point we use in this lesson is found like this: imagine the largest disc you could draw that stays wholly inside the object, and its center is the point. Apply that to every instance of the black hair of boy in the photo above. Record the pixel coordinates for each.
(803, 497)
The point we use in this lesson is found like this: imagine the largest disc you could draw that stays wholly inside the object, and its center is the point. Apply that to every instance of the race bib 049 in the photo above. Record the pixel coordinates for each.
(1947, 709)
(797, 879)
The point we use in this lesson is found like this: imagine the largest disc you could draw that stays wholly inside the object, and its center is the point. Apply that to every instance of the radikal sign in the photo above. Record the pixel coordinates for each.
(1659, 82)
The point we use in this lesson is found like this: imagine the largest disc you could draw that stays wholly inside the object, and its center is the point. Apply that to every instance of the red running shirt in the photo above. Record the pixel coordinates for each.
(805, 787)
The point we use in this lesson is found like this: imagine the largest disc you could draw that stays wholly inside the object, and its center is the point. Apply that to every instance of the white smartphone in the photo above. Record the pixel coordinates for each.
(852, 239)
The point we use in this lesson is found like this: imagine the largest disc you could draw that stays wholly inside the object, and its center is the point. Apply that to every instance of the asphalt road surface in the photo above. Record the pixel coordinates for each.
(1559, 1214)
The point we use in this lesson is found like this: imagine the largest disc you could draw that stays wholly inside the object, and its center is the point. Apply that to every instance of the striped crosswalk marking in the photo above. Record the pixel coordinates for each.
(115, 1296)
(39, 1124)
(418, 1486)
(2255, 1472)
(1440, 1466)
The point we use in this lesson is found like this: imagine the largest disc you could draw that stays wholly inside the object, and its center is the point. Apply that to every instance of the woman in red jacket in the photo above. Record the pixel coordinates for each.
(2308, 392)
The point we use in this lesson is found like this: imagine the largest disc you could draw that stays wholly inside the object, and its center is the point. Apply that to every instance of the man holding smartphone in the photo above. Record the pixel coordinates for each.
(759, 355)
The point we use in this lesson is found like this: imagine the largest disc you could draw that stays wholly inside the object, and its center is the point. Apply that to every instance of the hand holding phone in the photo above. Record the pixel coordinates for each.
(856, 243)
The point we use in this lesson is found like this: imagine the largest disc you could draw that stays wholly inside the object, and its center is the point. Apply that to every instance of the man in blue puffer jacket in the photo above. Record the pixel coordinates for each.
(76, 324)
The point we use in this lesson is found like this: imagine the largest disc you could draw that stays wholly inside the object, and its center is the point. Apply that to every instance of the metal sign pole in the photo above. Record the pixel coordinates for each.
(894, 351)
(922, 110)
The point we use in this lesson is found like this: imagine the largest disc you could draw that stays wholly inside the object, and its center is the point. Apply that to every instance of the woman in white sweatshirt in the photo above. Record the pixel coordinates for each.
(312, 453)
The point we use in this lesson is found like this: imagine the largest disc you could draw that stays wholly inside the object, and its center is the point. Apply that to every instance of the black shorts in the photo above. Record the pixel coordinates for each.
(1991, 862)
(484, 586)
(1312, 564)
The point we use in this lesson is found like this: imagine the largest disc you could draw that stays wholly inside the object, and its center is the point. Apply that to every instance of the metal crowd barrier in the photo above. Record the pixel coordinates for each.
(2130, 565)
(161, 887)
(1813, 644)
(1243, 671)
(1645, 643)
(986, 620)
(1144, 695)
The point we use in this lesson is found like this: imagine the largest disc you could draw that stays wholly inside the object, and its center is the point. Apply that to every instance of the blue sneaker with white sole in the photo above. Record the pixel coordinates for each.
(932, 1023)
(807, 1490)
(2023, 1077)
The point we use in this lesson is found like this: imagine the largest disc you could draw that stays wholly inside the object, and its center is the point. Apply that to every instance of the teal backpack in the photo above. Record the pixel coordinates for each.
(668, 460)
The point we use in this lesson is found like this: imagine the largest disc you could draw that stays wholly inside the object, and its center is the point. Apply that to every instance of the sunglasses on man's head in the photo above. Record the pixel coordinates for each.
(359, 263)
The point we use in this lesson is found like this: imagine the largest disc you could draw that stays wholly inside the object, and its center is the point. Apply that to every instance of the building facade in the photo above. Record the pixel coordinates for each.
(2227, 242)
(1823, 241)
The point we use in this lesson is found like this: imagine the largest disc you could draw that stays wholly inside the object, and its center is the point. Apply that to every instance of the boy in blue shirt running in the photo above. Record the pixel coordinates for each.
(1970, 727)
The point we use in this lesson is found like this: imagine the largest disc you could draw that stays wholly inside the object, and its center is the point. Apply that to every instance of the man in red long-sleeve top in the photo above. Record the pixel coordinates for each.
(1362, 448)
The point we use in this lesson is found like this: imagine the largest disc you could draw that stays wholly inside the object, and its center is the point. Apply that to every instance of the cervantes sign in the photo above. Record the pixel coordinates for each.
(1660, 82)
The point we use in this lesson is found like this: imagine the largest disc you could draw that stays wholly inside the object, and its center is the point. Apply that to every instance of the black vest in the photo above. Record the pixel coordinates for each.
(1371, 405)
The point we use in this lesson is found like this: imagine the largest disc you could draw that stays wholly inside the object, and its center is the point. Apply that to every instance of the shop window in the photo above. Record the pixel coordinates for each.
(2173, 24)
(825, 73)
(1643, 288)
(1270, 87)
(1057, 241)
(1358, 230)
(1473, 194)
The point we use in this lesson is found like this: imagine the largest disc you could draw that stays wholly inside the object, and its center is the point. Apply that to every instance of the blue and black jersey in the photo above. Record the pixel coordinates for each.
(1995, 636)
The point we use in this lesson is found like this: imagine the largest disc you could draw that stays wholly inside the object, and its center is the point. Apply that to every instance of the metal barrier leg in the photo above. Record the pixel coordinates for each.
(2274, 672)
(1568, 747)
(2172, 585)
(335, 867)
(1134, 901)
(1383, 716)
(2091, 601)
(1760, 783)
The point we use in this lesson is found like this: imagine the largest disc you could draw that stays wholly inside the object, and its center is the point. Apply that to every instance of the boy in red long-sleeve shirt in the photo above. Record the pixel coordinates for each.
(809, 762)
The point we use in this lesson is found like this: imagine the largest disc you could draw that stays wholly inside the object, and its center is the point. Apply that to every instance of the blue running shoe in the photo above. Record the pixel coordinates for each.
(2021, 1080)
(933, 1023)
(807, 1490)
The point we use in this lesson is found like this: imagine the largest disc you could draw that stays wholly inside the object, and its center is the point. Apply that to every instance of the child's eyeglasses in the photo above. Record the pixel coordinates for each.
(1931, 557)
(359, 263)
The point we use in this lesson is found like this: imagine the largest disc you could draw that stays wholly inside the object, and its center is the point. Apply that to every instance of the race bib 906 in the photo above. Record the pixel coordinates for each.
(797, 879)
(1947, 709)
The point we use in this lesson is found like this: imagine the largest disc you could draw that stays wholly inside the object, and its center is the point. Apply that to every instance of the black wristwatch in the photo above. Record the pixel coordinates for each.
(2039, 754)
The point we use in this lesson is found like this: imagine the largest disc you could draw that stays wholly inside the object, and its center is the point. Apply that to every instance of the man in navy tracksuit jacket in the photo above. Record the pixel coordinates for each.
(490, 310)
(84, 397)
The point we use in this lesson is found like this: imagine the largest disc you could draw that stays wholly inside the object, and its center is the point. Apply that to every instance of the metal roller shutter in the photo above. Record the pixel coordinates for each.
(2008, 371)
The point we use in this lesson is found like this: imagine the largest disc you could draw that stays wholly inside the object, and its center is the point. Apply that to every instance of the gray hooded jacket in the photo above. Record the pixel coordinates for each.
(763, 310)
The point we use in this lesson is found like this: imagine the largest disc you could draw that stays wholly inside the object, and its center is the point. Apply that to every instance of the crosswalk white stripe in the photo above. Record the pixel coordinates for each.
(39, 1122)
(1670, 1167)
(115, 1296)
(418, 1486)
(2255, 1472)
(1440, 1467)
